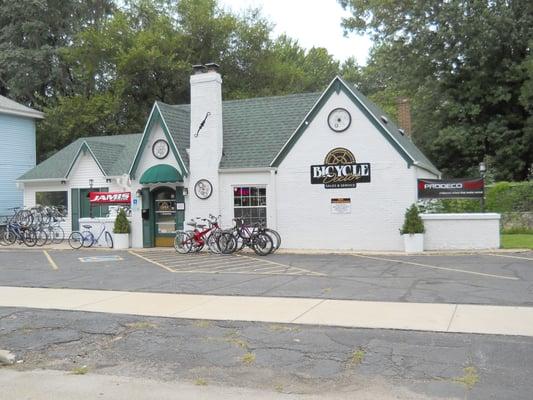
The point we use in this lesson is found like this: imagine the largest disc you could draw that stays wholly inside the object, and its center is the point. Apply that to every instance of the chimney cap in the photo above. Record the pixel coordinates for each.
(199, 68)
(212, 66)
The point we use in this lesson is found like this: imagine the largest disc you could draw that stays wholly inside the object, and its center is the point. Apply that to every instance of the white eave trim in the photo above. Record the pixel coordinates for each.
(172, 139)
(41, 180)
(78, 155)
(427, 168)
(20, 113)
(244, 170)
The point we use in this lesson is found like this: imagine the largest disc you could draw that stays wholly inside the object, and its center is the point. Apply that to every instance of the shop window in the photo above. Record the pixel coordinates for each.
(53, 199)
(249, 203)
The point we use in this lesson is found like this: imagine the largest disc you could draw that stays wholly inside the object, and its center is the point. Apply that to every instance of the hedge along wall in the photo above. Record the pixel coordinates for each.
(514, 200)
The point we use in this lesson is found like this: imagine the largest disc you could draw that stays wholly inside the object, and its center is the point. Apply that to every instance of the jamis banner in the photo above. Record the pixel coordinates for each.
(110, 197)
(450, 188)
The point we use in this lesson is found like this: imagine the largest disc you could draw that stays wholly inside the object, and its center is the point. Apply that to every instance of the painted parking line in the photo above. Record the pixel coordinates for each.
(51, 261)
(462, 271)
(508, 256)
(209, 263)
(150, 261)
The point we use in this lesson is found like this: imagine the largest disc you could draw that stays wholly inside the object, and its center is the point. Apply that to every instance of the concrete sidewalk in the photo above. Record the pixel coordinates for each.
(459, 318)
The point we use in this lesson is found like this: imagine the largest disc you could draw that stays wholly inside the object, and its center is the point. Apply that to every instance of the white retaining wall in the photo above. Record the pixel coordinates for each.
(461, 231)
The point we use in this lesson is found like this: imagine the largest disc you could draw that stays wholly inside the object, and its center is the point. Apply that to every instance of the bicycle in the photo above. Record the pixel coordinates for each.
(244, 235)
(195, 240)
(14, 233)
(78, 239)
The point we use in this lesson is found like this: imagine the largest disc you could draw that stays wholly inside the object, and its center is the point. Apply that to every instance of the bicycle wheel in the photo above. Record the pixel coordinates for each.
(182, 243)
(75, 240)
(212, 242)
(262, 244)
(108, 240)
(88, 238)
(29, 238)
(275, 236)
(57, 234)
(226, 243)
(41, 238)
(9, 237)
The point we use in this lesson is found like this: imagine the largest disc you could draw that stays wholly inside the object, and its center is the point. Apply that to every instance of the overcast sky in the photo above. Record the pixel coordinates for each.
(312, 22)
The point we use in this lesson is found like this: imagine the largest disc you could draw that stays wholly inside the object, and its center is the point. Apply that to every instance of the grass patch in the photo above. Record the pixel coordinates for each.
(202, 323)
(283, 328)
(80, 370)
(233, 338)
(200, 382)
(470, 377)
(517, 241)
(141, 325)
(279, 388)
(357, 356)
(248, 358)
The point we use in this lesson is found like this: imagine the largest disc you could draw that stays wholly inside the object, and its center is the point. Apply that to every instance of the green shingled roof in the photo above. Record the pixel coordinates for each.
(255, 131)
(113, 153)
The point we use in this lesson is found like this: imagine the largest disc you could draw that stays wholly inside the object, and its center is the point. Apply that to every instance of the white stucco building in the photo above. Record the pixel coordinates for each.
(327, 170)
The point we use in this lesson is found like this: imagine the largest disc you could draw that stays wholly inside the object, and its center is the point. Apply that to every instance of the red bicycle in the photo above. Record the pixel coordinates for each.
(202, 234)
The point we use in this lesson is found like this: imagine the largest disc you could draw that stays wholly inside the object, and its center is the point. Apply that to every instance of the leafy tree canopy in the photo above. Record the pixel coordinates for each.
(467, 67)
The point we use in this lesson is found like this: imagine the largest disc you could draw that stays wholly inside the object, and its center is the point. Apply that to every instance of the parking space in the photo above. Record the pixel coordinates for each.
(499, 278)
(209, 263)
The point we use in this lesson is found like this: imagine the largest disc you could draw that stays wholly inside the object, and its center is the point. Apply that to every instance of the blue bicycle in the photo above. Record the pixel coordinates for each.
(85, 238)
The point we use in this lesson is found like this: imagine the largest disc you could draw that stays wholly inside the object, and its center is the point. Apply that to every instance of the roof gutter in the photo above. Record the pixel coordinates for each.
(30, 114)
(429, 169)
(237, 170)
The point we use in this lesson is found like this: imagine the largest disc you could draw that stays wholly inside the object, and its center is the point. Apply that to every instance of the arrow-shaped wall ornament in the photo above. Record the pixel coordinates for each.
(202, 124)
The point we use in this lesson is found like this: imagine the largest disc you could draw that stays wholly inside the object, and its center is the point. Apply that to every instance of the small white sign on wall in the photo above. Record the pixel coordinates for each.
(341, 206)
(180, 206)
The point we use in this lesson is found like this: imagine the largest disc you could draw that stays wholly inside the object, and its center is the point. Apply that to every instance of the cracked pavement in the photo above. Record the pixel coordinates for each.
(279, 358)
(287, 359)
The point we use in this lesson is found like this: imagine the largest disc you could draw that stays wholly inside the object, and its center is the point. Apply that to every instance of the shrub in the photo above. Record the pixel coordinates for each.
(121, 223)
(510, 196)
(412, 223)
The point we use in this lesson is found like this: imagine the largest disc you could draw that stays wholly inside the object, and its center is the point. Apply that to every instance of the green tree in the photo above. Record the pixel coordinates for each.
(32, 35)
(464, 65)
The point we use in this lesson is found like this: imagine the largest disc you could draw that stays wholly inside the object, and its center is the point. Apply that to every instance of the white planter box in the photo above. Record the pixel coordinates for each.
(121, 240)
(414, 243)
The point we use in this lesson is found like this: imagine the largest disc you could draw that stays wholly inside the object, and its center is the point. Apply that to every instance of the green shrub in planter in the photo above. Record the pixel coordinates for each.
(121, 223)
(412, 223)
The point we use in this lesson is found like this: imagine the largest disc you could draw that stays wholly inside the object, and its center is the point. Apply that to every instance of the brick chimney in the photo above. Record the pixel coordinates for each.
(404, 115)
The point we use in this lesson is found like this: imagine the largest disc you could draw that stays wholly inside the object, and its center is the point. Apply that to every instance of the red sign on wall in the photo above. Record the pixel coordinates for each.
(110, 197)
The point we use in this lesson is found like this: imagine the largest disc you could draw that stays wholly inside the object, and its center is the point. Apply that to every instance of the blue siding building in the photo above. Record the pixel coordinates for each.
(17, 150)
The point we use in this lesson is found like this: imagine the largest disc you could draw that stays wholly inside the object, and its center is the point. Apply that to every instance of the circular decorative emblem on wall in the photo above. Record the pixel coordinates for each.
(339, 119)
(203, 189)
(160, 149)
(338, 156)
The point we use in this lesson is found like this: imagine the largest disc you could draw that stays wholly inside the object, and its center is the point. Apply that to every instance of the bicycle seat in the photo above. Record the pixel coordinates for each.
(191, 223)
(87, 226)
(201, 226)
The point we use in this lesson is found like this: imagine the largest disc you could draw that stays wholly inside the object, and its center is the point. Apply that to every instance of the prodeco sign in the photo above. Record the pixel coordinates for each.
(450, 188)
(340, 170)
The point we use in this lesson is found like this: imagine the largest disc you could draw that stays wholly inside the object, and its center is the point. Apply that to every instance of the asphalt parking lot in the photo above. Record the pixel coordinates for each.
(499, 278)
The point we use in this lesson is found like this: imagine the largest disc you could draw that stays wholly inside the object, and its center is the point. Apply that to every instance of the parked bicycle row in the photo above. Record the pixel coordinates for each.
(207, 232)
(36, 226)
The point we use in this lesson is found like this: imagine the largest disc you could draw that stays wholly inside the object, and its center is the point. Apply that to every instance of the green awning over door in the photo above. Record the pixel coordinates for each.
(161, 173)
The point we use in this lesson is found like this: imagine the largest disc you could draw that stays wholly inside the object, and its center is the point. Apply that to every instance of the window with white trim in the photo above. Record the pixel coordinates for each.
(250, 204)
